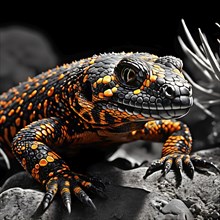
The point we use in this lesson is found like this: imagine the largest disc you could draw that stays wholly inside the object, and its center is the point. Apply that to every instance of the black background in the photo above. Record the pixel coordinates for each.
(78, 30)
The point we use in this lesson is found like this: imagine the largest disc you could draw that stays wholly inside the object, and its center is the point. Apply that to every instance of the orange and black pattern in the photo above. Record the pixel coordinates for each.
(106, 99)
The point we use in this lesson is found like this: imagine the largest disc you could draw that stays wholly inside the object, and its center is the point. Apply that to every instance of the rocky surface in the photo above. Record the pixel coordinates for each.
(129, 196)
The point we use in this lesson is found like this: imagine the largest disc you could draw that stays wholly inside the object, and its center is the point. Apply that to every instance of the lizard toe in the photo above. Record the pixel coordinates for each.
(175, 161)
(198, 162)
(91, 184)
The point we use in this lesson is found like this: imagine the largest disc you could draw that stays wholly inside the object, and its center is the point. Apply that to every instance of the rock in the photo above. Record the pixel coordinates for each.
(176, 209)
(17, 203)
(21, 179)
(129, 196)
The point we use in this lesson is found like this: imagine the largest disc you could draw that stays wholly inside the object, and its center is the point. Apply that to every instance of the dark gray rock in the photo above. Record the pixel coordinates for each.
(129, 196)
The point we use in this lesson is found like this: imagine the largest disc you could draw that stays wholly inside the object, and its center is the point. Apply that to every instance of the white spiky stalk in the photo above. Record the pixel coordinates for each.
(209, 64)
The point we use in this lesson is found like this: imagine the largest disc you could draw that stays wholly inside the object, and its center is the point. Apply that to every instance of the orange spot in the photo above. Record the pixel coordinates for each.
(99, 81)
(137, 91)
(70, 89)
(67, 183)
(108, 93)
(43, 162)
(61, 76)
(87, 184)
(27, 86)
(43, 126)
(38, 133)
(147, 84)
(39, 106)
(12, 111)
(77, 190)
(50, 159)
(33, 94)
(52, 154)
(106, 79)
(48, 131)
(153, 78)
(34, 146)
(50, 174)
(14, 98)
(50, 91)
(44, 132)
(45, 107)
(23, 95)
(18, 109)
(50, 127)
(30, 106)
(23, 162)
(114, 89)
(85, 78)
(45, 82)
(42, 90)
(92, 61)
(65, 190)
(133, 132)
(2, 119)
(101, 95)
(56, 98)
(76, 177)
(21, 102)
(65, 66)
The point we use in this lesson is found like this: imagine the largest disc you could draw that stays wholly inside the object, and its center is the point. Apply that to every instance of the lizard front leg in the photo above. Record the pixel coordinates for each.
(31, 147)
(176, 148)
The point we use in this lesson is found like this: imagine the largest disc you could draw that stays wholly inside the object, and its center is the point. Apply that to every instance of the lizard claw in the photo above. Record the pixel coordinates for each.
(90, 203)
(68, 206)
(199, 162)
(179, 162)
(66, 183)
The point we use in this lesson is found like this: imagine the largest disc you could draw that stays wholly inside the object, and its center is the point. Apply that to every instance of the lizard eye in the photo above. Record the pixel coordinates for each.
(128, 75)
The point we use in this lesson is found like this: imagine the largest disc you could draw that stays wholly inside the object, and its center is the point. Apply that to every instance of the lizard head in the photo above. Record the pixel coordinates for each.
(136, 87)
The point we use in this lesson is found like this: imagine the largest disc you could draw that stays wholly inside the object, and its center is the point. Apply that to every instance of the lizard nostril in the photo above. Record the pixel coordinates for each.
(169, 91)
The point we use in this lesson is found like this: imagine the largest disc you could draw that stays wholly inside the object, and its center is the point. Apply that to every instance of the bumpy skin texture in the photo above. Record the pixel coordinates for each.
(103, 100)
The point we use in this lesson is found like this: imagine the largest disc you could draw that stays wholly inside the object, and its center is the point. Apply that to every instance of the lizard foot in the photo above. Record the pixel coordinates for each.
(179, 162)
(67, 183)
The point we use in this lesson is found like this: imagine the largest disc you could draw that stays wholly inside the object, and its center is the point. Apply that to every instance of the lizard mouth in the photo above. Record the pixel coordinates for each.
(173, 109)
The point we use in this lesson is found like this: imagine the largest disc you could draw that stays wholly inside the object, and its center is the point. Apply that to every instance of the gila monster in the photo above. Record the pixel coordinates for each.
(104, 100)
